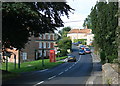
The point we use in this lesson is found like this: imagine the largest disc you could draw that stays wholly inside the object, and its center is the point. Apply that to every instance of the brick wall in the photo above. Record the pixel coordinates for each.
(30, 48)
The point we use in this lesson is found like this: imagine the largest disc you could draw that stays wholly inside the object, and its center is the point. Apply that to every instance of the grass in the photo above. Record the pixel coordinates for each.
(28, 67)
(31, 66)
(60, 58)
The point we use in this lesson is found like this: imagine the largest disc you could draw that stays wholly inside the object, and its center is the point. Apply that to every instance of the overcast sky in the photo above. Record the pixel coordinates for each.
(82, 10)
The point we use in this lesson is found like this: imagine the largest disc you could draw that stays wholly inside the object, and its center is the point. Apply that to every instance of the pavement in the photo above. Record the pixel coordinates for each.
(96, 75)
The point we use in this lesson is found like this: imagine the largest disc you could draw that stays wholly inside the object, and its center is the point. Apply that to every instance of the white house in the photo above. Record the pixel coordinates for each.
(81, 34)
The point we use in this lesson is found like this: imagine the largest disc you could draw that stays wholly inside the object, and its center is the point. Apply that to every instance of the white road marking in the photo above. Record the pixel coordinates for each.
(70, 67)
(66, 70)
(60, 73)
(38, 83)
(43, 70)
(73, 65)
(52, 77)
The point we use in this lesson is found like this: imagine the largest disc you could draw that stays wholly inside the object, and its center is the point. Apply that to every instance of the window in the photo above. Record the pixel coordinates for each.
(44, 36)
(40, 44)
(48, 44)
(44, 52)
(40, 37)
(40, 53)
(44, 44)
(48, 36)
(24, 56)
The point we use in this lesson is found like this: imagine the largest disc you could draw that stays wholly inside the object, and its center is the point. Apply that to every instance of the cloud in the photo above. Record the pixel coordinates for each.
(75, 20)
(82, 10)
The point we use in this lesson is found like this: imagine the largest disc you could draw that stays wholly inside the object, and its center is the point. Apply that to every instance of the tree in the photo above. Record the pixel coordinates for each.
(87, 22)
(21, 20)
(64, 31)
(104, 23)
(64, 44)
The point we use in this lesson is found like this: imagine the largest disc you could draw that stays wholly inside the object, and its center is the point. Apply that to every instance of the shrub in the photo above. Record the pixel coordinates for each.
(102, 56)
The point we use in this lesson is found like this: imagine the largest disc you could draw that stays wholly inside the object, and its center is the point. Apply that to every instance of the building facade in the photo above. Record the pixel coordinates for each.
(35, 49)
(81, 34)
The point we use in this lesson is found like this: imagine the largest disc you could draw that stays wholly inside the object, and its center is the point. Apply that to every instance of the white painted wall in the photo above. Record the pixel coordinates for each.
(89, 37)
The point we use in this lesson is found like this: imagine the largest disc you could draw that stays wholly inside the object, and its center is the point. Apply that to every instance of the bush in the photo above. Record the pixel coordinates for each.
(63, 52)
(102, 56)
(81, 40)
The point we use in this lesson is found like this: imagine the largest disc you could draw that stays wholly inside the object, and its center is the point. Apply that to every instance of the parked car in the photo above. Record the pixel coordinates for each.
(71, 58)
(81, 52)
(82, 46)
(87, 50)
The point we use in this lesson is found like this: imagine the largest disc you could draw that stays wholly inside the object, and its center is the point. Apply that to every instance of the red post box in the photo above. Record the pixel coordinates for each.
(52, 56)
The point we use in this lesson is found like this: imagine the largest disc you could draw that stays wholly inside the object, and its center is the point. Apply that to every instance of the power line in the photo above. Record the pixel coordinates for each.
(73, 21)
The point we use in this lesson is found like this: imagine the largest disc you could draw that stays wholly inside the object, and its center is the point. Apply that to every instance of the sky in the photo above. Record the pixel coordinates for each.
(82, 10)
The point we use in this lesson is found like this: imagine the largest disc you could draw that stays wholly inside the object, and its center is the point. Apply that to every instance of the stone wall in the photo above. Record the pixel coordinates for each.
(110, 76)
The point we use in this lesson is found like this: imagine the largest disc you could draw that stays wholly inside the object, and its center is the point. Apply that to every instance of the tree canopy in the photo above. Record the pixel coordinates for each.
(104, 24)
(64, 44)
(21, 20)
(87, 22)
(64, 31)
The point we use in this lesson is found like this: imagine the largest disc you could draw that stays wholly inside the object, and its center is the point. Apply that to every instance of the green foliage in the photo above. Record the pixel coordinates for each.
(63, 52)
(81, 40)
(30, 66)
(64, 44)
(104, 23)
(60, 58)
(87, 22)
(102, 56)
(64, 31)
(21, 20)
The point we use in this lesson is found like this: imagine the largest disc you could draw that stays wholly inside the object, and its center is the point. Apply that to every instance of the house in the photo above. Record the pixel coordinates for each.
(81, 34)
(36, 48)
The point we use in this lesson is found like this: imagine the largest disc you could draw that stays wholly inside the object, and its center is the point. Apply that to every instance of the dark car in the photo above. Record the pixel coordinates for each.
(87, 50)
(71, 58)
(81, 52)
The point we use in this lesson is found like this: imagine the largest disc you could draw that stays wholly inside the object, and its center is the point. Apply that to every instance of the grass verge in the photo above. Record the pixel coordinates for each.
(28, 67)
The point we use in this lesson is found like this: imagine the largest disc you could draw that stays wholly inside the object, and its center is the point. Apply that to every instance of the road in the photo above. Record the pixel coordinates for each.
(67, 73)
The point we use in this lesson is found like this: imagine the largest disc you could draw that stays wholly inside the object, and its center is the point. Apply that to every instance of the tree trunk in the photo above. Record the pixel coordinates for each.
(15, 61)
(6, 63)
(19, 59)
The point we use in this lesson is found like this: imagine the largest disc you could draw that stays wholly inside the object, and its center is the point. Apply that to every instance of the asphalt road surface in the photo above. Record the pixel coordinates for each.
(69, 73)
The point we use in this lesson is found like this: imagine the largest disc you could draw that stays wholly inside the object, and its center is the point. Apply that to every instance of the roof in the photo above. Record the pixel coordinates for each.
(80, 31)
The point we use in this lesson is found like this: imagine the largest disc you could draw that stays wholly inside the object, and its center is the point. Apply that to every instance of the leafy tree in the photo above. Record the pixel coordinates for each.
(21, 20)
(64, 44)
(64, 31)
(87, 22)
(104, 23)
